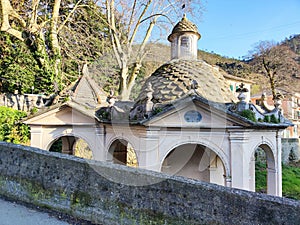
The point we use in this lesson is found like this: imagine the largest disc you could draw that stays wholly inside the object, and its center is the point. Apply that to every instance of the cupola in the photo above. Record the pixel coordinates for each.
(184, 39)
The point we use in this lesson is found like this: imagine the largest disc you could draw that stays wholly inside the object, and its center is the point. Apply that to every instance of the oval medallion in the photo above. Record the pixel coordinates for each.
(192, 116)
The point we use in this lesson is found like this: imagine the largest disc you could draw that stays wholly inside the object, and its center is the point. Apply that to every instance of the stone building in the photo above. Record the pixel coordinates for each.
(185, 122)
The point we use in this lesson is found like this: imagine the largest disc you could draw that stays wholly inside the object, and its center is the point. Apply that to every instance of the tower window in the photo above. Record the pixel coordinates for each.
(185, 42)
(185, 47)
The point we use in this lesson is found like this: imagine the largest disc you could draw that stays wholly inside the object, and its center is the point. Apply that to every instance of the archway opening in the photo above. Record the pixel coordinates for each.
(72, 146)
(260, 171)
(122, 152)
(264, 170)
(196, 162)
(81, 149)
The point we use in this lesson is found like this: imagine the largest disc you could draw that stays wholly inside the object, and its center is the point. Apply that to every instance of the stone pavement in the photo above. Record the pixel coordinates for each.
(15, 214)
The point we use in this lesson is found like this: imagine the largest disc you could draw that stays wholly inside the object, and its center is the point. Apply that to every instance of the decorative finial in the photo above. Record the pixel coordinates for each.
(242, 89)
(184, 17)
(194, 84)
(278, 99)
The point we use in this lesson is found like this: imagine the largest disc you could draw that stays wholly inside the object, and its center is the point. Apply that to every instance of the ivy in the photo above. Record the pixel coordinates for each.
(11, 128)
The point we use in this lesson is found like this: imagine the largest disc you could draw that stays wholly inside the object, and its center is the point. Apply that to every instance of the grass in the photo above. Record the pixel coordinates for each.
(290, 179)
(260, 177)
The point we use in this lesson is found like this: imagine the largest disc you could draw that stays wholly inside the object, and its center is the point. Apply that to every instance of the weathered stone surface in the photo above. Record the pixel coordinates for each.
(82, 188)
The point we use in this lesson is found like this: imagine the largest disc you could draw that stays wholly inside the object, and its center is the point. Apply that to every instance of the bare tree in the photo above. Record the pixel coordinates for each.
(140, 19)
(278, 64)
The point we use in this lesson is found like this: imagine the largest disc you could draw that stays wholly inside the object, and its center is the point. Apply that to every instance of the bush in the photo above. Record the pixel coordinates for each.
(11, 128)
(273, 119)
(267, 119)
(250, 115)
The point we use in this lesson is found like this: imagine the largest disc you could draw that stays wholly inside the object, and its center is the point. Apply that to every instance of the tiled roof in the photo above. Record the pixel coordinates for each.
(184, 26)
(88, 93)
(173, 80)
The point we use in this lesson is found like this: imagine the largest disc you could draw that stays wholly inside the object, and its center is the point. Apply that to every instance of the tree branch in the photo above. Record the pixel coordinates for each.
(33, 26)
(139, 22)
(69, 16)
(7, 11)
(131, 18)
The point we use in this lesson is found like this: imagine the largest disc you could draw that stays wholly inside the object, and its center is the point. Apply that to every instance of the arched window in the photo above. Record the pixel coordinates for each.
(185, 42)
(185, 46)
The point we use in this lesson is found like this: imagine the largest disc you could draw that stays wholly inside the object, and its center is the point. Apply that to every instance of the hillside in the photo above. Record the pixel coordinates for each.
(248, 70)
(283, 62)
(160, 53)
(294, 43)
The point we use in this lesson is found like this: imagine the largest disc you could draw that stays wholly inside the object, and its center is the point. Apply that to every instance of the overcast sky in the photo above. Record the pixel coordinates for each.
(232, 27)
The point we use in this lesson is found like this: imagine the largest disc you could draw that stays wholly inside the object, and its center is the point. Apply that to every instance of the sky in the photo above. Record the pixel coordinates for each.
(232, 28)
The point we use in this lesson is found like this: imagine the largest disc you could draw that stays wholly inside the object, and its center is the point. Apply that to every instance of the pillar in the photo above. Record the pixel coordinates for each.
(36, 133)
(148, 156)
(278, 163)
(99, 144)
(240, 159)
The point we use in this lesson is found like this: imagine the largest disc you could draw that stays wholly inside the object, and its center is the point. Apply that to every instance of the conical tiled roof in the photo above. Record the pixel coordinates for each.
(174, 80)
(184, 26)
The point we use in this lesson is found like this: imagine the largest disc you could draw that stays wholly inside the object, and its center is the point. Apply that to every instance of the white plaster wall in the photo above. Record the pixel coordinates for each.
(243, 145)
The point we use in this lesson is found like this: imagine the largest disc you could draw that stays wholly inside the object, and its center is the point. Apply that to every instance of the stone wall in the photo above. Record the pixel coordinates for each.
(22, 102)
(113, 194)
(290, 148)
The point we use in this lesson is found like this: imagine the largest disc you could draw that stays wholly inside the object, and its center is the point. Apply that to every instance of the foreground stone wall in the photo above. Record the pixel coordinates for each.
(112, 194)
(290, 147)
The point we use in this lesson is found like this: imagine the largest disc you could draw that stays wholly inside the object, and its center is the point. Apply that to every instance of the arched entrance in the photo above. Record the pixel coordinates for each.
(264, 170)
(72, 146)
(195, 161)
(122, 152)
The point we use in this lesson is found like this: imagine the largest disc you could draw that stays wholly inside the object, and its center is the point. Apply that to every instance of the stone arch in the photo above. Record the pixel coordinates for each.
(69, 142)
(271, 166)
(201, 160)
(207, 144)
(121, 151)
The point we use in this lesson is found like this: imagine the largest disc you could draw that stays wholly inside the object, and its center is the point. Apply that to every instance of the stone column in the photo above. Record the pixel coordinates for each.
(148, 150)
(36, 133)
(240, 159)
(278, 163)
(99, 143)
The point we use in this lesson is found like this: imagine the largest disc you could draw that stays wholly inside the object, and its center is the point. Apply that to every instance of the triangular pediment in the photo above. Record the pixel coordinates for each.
(194, 113)
(63, 115)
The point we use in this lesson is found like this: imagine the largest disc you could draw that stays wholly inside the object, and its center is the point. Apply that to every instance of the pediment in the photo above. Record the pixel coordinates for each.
(64, 115)
(194, 114)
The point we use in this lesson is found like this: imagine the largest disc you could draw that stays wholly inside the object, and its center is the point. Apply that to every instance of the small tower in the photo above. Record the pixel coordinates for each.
(184, 39)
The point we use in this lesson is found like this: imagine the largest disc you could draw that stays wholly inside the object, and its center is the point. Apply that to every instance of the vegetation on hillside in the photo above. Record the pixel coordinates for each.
(278, 64)
(293, 42)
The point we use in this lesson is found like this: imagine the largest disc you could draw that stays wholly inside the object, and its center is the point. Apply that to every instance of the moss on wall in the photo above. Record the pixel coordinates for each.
(71, 185)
